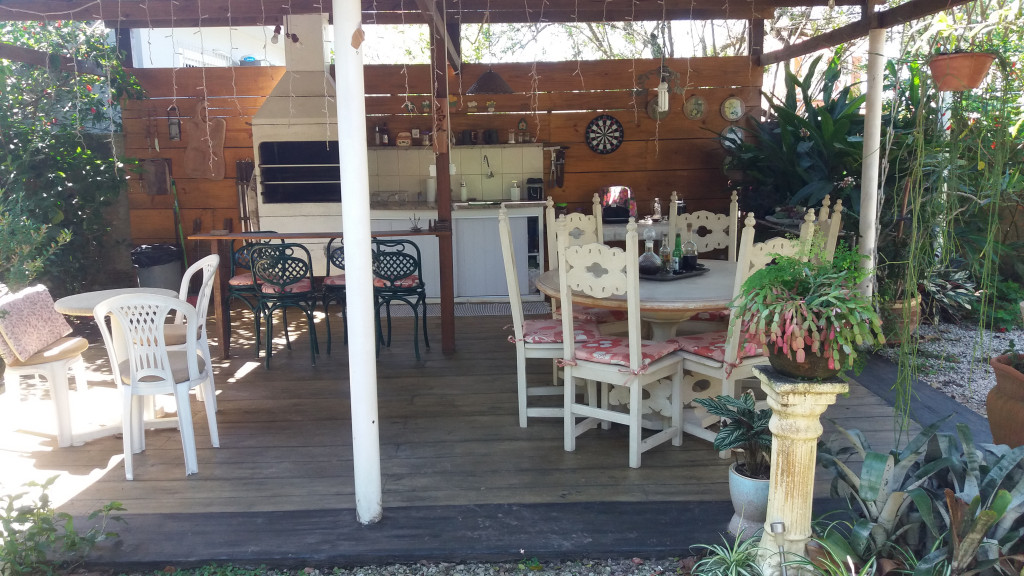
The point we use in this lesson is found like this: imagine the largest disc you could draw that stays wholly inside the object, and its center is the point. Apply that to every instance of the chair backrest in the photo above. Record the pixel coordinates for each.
(281, 265)
(140, 319)
(208, 266)
(397, 264)
(591, 227)
(599, 271)
(335, 255)
(242, 256)
(711, 231)
(508, 255)
(829, 224)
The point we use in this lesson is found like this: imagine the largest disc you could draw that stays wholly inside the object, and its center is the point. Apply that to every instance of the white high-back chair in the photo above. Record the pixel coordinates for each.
(148, 367)
(711, 231)
(541, 338)
(174, 334)
(829, 224)
(724, 355)
(599, 271)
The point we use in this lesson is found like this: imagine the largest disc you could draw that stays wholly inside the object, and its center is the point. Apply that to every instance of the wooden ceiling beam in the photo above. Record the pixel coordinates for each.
(439, 28)
(46, 60)
(906, 12)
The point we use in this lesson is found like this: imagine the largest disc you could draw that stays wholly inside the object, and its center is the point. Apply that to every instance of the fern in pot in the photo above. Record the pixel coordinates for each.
(809, 314)
(744, 432)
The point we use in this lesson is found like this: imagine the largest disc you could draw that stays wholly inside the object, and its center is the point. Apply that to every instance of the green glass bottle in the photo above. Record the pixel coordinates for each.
(677, 254)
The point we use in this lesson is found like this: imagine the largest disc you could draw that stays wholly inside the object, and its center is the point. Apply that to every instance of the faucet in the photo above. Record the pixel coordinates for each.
(490, 173)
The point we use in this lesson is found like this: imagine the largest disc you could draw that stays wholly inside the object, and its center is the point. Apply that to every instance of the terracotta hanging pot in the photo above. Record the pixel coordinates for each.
(960, 71)
(1005, 403)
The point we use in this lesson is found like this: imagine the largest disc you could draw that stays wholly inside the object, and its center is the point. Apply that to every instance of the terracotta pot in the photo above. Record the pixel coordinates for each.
(813, 367)
(749, 502)
(1005, 404)
(894, 321)
(960, 71)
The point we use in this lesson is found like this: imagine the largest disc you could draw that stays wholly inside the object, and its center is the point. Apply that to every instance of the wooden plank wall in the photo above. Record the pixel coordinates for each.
(557, 100)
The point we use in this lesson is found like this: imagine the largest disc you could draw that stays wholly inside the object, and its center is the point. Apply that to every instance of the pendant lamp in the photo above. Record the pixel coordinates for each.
(490, 83)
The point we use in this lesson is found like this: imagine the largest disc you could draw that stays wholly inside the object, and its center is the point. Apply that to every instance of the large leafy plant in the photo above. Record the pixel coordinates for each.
(744, 428)
(810, 305)
(810, 145)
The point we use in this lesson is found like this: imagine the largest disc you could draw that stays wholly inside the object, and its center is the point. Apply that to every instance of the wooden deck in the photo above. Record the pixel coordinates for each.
(449, 441)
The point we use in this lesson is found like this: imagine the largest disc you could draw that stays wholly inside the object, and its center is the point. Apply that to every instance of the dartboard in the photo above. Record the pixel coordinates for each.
(604, 134)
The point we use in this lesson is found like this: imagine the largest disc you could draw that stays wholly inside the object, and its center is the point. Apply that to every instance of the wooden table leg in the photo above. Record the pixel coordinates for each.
(222, 311)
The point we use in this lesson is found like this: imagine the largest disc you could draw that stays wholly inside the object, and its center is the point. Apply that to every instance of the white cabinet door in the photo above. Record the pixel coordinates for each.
(479, 268)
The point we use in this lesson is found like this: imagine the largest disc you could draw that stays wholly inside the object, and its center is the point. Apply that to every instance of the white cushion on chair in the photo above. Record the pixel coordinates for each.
(62, 349)
(615, 350)
(31, 323)
(712, 345)
(549, 331)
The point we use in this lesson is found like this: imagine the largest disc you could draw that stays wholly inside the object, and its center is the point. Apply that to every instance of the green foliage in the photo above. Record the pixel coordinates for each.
(1014, 357)
(833, 553)
(38, 540)
(802, 305)
(24, 246)
(810, 146)
(740, 558)
(745, 428)
(57, 169)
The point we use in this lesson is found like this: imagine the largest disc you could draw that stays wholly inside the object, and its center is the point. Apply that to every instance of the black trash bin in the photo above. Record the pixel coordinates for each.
(158, 265)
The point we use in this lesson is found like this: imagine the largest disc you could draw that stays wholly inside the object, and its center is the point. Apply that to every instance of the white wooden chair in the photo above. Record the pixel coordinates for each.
(722, 355)
(533, 338)
(174, 334)
(711, 231)
(829, 224)
(149, 367)
(34, 341)
(600, 271)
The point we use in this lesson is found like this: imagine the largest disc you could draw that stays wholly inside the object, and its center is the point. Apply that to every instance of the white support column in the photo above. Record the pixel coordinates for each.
(359, 311)
(872, 146)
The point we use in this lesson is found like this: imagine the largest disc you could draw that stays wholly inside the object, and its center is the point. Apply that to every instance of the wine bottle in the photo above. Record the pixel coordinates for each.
(666, 255)
(677, 254)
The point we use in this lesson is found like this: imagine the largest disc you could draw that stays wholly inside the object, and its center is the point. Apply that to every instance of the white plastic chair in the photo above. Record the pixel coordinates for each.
(174, 334)
(150, 368)
(52, 364)
(599, 271)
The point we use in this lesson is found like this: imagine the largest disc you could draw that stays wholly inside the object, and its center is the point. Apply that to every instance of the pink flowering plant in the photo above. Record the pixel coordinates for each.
(810, 305)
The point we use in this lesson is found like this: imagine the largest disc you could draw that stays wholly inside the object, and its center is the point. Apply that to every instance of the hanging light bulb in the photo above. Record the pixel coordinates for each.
(663, 95)
(277, 34)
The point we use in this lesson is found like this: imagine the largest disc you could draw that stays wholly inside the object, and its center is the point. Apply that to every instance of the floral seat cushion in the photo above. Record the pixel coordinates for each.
(336, 280)
(712, 315)
(411, 281)
(549, 331)
(615, 350)
(243, 279)
(599, 315)
(712, 345)
(303, 285)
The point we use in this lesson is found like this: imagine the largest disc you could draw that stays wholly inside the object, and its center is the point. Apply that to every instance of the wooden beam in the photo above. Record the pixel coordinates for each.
(906, 12)
(755, 38)
(47, 60)
(439, 28)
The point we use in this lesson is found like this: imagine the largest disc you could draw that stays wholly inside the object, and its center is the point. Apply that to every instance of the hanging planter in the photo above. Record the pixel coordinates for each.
(960, 71)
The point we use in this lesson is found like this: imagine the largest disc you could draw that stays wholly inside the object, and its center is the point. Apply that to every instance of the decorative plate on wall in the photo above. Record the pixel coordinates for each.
(604, 134)
(732, 108)
(695, 107)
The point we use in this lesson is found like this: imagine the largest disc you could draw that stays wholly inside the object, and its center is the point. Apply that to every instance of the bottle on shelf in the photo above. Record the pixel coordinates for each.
(677, 254)
(376, 134)
(384, 140)
(463, 192)
(649, 261)
(666, 255)
(689, 261)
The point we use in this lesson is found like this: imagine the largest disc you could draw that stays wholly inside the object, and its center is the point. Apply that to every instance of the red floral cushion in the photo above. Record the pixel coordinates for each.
(336, 280)
(712, 316)
(549, 331)
(411, 281)
(303, 285)
(712, 345)
(599, 315)
(615, 350)
(244, 279)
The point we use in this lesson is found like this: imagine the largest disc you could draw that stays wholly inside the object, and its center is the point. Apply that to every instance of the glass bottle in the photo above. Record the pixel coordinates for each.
(384, 140)
(376, 134)
(657, 210)
(666, 255)
(650, 264)
(689, 252)
(677, 254)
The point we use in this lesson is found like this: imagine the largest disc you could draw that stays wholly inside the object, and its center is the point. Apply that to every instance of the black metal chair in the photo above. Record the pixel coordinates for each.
(398, 276)
(334, 285)
(284, 273)
(242, 285)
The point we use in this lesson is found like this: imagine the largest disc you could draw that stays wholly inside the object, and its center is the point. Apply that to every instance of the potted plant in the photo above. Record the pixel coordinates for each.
(744, 429)
(961, 58)
(809, 313)
(1005, 402)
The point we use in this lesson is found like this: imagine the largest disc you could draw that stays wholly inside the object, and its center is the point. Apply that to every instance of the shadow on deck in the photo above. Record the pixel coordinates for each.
(461, 480)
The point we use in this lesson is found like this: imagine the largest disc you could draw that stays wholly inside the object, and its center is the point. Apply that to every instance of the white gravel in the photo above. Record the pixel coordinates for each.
(954, 359)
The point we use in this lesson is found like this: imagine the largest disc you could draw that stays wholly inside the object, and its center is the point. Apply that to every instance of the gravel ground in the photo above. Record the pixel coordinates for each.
(954, 359)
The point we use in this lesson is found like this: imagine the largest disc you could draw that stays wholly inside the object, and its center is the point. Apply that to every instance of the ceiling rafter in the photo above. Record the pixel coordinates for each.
(439, 28)
(47, 60)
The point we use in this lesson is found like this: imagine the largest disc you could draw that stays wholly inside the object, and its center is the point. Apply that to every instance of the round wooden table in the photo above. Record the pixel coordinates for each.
(665, 304)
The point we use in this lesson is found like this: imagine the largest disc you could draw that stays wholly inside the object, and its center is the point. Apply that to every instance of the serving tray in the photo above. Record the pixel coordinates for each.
(701, 269)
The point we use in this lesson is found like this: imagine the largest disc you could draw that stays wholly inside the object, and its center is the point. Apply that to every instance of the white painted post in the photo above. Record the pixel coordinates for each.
(355, 186)
(872, 145)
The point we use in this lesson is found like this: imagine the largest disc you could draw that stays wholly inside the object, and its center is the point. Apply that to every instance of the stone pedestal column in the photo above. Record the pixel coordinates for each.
(797, 406)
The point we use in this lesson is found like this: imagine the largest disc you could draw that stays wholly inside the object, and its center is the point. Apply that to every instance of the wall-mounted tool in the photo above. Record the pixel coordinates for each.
(557, 176)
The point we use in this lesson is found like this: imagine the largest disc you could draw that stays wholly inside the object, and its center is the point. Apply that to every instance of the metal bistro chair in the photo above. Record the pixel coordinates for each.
(242, 286)
(398, 276)
(334, 285)
(284, 273)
